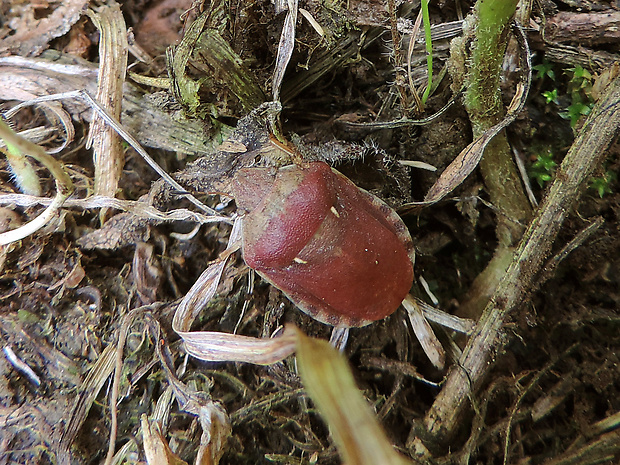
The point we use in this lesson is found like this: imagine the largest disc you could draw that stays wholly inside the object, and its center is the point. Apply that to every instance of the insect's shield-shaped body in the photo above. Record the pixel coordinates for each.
(338, 252)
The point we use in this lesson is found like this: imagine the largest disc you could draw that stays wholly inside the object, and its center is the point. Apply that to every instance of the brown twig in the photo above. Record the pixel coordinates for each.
(587, 152)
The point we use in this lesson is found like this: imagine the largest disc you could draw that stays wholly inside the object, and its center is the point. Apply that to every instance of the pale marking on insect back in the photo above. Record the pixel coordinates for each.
(299, 260)
(335, 212)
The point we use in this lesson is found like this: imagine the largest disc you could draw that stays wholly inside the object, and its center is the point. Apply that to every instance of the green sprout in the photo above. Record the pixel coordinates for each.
(576, 110)
(429, 49)
(543, 168)
(545, 69)
(581, 77)
(551, 96)
(602, 185)
(580, 90)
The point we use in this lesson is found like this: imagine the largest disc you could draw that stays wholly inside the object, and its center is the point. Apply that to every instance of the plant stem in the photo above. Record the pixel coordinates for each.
(484, 105)
(480, 74)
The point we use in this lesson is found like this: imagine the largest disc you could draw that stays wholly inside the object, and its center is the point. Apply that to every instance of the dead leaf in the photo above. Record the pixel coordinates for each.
(156, 449)
(33, 35)
(327, 378)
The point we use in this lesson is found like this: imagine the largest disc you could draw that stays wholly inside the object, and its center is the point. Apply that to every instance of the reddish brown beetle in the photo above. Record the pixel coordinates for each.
(338, 252)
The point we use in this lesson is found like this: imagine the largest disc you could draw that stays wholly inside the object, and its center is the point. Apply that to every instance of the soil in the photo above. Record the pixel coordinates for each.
(551, 395)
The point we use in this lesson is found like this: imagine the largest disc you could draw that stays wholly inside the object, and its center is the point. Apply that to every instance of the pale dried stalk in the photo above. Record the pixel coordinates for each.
(136, 207)
(285, 47)
(587, 152)
(108, 152)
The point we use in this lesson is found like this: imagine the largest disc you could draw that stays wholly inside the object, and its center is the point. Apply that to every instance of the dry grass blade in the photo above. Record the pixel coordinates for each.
(225, 347)
(205, 286)
(353, 424)
(285, 47)
(455, 323)
(424, 333)
(97, 376)
(468, 159)
(315, 25)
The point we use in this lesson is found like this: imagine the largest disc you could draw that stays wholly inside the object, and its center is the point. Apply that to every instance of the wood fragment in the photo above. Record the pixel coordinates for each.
(584, 28)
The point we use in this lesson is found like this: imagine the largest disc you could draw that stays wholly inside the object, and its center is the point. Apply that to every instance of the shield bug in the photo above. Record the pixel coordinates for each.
(339, 253)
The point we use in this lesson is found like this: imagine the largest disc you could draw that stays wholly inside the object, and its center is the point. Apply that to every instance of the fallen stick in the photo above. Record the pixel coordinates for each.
(464, 379)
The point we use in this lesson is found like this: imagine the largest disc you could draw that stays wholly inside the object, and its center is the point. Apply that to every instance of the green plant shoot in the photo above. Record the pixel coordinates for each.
(429, 49)
(543, 168)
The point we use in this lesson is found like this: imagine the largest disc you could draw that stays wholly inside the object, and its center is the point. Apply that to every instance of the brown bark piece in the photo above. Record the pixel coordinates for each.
(584, 28)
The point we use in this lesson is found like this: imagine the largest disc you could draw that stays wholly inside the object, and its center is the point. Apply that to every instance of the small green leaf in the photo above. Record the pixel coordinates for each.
(542, 169)
(545, 69)
(602, 185)
(551, 96)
